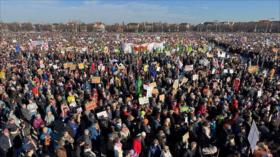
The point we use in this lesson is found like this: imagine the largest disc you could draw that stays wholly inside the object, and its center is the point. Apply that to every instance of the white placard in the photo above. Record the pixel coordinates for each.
(102, 114)
(195, 77)
(253, 136)
(143, 100)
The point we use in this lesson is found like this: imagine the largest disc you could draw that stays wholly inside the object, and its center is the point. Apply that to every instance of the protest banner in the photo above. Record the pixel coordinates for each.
(95, 80)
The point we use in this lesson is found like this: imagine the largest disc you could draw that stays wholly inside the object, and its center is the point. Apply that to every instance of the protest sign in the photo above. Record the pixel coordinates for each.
(259, 93)
(222, 55)
(149, 92)
(90, 105)
(95, 80)
(2, 74)
(143, 100)
(225, 71)
(102, 114)
(186, 137)
(253, 136)
(195, 77)
(162, 97)
(253, 69)
(176, 84)
(81, 66)
(152, 85)
(55, 66)
(188, 67)
(145, 86)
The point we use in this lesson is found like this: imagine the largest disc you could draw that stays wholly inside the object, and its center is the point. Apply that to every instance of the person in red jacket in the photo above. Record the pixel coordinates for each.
(137, 146)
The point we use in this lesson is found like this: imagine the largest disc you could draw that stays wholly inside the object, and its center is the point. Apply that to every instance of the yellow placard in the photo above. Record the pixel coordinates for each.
(81, 66)
(2, 74)
(95, 80)
(253, 69)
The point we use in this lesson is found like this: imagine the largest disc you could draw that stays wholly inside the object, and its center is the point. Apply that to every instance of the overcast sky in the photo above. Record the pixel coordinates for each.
(117, 11)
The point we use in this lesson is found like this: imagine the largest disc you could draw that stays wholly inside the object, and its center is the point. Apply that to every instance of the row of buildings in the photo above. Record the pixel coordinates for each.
(260, 26)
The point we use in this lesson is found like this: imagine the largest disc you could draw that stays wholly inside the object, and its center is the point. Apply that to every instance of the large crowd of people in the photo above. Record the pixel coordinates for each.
(87, 95)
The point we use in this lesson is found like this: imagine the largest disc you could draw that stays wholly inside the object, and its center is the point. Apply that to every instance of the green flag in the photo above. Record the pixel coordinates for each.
(138, 86)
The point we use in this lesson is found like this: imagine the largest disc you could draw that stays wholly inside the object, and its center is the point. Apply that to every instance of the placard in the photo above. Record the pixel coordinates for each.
(186, 137)
(188, 67)
(149, 92)
(225, 71)
(81, 66)
(143, 100)
(259, 93)
(162, 97)
(95, 80)
(176, 84)
(195, 77)
(90, 105)
(152, 85)
(2, 74)
(253, 69)
(55, 66)
(102, 114)
(253, 136)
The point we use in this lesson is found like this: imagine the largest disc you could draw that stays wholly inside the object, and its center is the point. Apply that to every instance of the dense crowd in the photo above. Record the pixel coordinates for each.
(82, 95)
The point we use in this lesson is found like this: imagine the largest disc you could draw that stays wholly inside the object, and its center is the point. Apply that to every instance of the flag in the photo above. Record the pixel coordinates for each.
(18, 48)
(138, 86)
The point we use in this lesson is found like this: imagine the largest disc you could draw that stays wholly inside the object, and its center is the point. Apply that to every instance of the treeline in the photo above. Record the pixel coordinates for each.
(264, 26)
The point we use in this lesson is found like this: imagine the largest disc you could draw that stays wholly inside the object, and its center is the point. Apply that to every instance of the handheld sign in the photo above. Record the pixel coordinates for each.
(195, 77)
(90, 105)
(95, 80)
(253, 136)
(102, 114)
(162, 97)
(143, 100)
